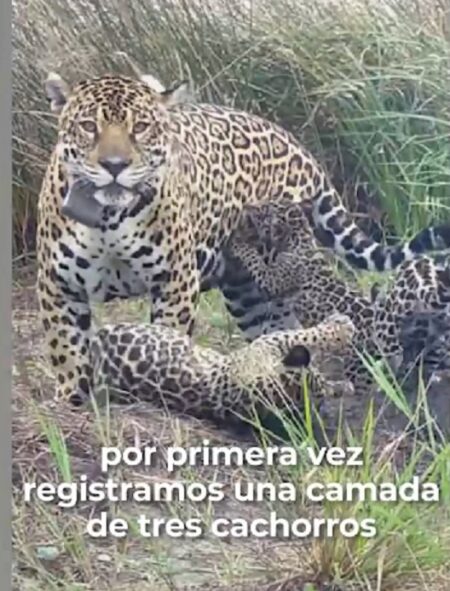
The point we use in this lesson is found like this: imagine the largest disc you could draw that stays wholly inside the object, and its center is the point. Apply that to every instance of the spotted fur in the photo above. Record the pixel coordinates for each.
(277, 247)
(171, 179)
(162, 366)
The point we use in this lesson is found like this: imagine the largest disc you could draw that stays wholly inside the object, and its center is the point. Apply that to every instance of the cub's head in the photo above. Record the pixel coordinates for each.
(275, 224)
(113, 131)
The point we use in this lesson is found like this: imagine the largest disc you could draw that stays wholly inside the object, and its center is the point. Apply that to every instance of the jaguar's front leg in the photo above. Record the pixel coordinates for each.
(174, 292)
(66, 317)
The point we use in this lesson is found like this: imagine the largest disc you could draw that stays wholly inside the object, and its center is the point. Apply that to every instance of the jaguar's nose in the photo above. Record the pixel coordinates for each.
(114, 165)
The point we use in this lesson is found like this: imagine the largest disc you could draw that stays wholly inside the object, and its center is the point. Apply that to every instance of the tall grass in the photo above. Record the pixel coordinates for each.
(412, 538)
(412, 544)
(364, 84)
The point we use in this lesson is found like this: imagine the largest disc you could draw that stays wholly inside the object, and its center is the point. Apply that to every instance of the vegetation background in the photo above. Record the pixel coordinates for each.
(365, 84)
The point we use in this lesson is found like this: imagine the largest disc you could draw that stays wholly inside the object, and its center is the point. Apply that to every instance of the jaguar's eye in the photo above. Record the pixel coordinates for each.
(88, 125)
(140, 127)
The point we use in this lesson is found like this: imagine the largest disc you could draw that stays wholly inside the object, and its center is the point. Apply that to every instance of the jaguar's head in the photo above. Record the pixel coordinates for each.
(275, 224)
(113, 131)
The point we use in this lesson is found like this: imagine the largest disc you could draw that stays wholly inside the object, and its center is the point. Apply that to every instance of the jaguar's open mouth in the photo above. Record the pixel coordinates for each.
(115, 195)
(112, 191)
(85, 202)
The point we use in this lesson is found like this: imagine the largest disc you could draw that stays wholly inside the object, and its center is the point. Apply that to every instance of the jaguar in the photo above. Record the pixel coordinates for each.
(276, 246)
(166, 368)
(143, 189)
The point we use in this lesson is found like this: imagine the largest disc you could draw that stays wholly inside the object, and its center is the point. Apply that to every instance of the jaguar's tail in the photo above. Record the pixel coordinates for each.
(343, 235)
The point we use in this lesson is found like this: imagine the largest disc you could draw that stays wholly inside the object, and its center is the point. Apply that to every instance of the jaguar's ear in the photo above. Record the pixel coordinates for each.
(57, 92)
(153, 83)
(177, 94)
(298, 356)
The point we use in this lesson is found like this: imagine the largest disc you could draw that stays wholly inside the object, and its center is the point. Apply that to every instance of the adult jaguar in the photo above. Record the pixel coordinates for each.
(295, 272)
(167, 184)
(162, 366)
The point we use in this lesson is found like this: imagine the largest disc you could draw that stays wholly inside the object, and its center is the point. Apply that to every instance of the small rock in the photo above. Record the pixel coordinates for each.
(47, 552)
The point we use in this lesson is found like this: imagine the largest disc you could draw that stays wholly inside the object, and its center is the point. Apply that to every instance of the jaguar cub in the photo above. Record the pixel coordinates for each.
(163, 366)
(276, 245)
(143, 189)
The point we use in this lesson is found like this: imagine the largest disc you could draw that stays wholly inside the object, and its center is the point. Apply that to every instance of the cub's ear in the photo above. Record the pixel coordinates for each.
(249, 222)
(444, 276)
(177, 94)
(298, 356)
(57, 92)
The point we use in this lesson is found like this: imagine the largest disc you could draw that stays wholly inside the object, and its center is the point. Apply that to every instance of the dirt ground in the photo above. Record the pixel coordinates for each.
(206, 564)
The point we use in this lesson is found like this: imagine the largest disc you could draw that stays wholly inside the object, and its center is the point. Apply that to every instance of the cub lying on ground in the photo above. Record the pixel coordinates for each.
(160, 365)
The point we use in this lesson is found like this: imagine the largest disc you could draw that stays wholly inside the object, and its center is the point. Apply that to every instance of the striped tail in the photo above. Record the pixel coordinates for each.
(344, 236)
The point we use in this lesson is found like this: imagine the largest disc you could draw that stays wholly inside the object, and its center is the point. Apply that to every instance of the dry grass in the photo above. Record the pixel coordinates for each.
(79, 563)
(364, 84)
(53, 552)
